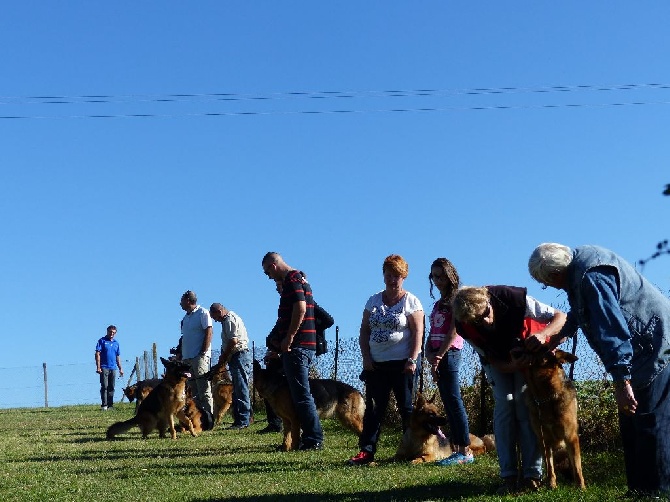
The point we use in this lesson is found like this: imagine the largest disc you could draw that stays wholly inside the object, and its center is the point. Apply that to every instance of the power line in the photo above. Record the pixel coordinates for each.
(330, 112)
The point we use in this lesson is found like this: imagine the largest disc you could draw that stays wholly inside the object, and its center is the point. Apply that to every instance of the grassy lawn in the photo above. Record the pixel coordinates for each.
(62, 454)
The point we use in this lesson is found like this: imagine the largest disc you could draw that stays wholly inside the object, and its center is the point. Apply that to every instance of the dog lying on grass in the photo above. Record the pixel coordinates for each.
(332, 398)
(222, 390)
(157, 411)
(423, 440)
(200, 418)
(552, 405)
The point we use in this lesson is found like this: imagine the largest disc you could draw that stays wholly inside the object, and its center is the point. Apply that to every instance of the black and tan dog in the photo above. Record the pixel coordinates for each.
(200, 418)
(222, 390)
(423, 440)
(552, 403)
(157, 411)
(140, 390)
(332, 398)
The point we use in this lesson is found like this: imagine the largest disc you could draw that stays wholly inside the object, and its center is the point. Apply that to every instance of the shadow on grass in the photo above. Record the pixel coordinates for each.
(453, 490)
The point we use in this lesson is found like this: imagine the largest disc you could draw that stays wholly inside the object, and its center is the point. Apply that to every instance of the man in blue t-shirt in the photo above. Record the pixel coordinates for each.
(107, 358)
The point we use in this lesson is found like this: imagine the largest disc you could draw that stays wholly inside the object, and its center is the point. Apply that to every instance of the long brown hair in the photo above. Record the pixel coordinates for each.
(452, 275)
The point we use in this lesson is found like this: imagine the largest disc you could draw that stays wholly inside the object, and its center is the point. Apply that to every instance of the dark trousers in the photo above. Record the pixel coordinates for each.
(387, 377)
(107, 379)
(296, 367)
(646, 437)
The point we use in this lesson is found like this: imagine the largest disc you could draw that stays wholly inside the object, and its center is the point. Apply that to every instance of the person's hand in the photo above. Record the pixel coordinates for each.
(410, 367)
(434, 373)
(533, 343)
(625, 397)
(121, 372)
(368, 364)
(286, 345)
(98, 371)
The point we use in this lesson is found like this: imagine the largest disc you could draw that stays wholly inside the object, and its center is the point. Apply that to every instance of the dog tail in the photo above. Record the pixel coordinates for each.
(121, 427)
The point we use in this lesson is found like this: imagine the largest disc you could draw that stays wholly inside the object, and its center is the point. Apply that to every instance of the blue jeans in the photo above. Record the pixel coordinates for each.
(646, 441)
(296, 367)
(386, 377)
(511, 425)
(450, 392)
(107, 379)
(240, 369)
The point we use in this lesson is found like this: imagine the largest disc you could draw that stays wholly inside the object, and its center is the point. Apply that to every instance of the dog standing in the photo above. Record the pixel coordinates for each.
(332, 398)
(423, 440)
(222, 390)
(161, 405)
(552, 405)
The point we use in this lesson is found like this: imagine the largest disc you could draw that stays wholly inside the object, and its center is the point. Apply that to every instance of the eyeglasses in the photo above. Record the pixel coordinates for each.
(482, 317)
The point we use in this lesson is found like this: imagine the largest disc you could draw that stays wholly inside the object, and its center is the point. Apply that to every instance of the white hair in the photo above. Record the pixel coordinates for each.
(547, 259)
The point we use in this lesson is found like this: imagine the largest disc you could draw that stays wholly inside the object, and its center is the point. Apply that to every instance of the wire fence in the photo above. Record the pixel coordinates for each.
(78, 384)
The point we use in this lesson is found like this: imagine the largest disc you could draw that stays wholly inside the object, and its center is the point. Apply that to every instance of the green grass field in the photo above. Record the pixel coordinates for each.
(54, 454)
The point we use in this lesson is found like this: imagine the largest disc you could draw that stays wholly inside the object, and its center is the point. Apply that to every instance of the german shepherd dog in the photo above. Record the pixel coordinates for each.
(200, 418)
(552, 404)
(222, 390)
(161, 405)
(140, 390)
(424, 441)
(332, 398)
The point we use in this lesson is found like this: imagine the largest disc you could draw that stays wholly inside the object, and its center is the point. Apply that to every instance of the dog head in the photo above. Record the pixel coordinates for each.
(426, 415)
(129, 392)
(218, 373)
(176, 369)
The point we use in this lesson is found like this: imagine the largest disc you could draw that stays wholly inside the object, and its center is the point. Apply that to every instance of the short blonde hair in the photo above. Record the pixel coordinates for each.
(396, 264)
(469, 303)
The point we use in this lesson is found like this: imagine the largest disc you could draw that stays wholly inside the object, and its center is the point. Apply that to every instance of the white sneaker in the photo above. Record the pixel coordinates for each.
(103, 408)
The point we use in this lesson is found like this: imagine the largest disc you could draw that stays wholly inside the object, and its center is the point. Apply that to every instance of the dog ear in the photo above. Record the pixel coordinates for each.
(164, 361)
(565, 357)
(420, 400)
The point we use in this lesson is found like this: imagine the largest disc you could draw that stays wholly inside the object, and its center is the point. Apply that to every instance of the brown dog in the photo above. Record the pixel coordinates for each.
(423, 441)
(140, 390)
(200, 418)
(222, 390)
(552, 404)
(332, 398)
(161, 405)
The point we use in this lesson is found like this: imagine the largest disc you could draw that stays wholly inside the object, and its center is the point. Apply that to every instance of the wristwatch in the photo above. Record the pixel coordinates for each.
(410, 360)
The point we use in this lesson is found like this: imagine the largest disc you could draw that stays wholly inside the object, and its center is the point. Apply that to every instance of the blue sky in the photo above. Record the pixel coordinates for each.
(528, 133)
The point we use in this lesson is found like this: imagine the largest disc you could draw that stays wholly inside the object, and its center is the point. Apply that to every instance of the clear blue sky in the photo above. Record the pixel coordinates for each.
(110, 220)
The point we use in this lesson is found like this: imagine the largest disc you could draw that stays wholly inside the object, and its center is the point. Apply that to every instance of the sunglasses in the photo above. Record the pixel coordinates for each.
(482, 317)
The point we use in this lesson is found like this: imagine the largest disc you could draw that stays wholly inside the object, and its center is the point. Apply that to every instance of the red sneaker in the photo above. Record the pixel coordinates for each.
(363, 458)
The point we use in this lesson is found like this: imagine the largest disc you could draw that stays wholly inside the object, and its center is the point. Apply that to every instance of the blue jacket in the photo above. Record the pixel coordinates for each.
(624, 317)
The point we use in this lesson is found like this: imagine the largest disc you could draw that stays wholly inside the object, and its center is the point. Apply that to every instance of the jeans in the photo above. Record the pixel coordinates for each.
(450, 392)
(296, 367)
(107, 379)
(201, 387)
(511, 425)
(240, 369)
(386, 377)
(646, 442)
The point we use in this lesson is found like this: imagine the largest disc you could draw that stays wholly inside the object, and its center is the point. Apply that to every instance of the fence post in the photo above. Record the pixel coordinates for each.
(46, 386)
(146, 364)
(155, 354)
(337, 347)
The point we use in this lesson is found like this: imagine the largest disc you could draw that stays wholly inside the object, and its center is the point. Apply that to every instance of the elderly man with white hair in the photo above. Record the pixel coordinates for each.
(626, 321)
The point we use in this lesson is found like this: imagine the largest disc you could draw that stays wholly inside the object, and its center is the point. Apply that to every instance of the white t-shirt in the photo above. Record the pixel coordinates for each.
(390, 336)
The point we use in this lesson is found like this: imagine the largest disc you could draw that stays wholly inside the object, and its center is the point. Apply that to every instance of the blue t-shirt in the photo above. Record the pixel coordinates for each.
(108, 349)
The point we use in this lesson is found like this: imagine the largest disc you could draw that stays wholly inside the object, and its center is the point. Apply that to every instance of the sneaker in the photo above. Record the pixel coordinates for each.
(529, 485)
(456, 458)
(363, 458)
(103, 408)
(311, 446)
(508, 486)
(269, 429)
